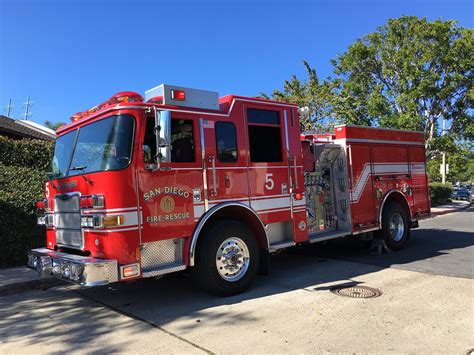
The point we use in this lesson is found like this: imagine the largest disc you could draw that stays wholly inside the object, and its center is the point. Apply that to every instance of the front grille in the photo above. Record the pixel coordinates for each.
(67, 220)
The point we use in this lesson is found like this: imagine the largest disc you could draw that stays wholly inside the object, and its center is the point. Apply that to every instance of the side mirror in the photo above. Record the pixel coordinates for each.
(164, 135)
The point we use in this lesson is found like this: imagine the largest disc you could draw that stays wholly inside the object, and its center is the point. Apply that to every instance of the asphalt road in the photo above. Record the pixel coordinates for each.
(443, 245)
(426, 305)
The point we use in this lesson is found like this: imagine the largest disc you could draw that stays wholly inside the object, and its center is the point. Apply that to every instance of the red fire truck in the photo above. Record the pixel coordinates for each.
(142, 187)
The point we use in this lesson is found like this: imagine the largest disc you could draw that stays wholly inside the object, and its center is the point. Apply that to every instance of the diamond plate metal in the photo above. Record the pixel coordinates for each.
(162, 253)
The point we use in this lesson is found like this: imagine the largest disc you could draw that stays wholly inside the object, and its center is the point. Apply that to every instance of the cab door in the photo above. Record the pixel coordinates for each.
(225, 168)
(275, 171)
(166, 194)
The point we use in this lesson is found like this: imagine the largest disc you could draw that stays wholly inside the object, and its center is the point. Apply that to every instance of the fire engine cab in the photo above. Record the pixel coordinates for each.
(141, 187)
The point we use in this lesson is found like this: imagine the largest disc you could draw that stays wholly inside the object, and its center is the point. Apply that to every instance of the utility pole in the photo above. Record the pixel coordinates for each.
(443, 164)
(27, 105)
(9, 108)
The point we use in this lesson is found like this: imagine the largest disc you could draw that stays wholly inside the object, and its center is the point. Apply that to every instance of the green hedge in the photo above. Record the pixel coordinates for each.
(23, 164)
(440, 193)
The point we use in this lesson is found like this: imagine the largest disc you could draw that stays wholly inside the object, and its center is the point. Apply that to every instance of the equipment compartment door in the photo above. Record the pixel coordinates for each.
(361, 187)
(421, 194)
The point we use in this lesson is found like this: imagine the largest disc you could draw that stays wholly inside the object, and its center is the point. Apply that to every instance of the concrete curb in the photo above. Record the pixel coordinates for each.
(31, 285)
(452, 210)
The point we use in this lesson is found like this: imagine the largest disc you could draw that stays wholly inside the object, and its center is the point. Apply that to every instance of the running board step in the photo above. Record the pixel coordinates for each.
(319, 237)
(165, 269)
(280, 245)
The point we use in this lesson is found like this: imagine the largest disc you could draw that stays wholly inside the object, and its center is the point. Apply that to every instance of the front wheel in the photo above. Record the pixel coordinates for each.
(227, 258)
(395, 230)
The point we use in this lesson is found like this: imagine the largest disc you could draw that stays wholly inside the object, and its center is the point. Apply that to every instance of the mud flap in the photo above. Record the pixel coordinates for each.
(264, 267)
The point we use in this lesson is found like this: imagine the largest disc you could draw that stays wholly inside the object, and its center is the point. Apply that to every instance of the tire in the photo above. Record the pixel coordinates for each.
(395, 228)
(227, 258)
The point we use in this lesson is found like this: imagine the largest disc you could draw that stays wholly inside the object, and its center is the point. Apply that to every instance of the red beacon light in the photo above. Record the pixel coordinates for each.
(156, 100)
(178, 95)
(126, 96)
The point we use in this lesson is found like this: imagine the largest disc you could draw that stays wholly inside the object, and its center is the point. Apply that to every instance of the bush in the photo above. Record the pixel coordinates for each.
(440, 193)
(23, 165)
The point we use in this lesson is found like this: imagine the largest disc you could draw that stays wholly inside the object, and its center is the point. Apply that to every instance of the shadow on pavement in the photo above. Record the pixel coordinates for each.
(60, 323)
(306, 268)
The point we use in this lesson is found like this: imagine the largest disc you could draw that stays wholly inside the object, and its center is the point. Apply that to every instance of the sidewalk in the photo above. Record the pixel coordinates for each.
(21, 279)
(453, 206)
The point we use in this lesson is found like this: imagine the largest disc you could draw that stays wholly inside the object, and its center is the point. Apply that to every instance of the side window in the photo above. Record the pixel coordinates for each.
(149, 142)
(264, 136)
(226, 142)
(182, 141)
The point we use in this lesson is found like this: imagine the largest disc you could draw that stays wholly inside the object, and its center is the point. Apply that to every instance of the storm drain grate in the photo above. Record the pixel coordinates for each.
(357, 292)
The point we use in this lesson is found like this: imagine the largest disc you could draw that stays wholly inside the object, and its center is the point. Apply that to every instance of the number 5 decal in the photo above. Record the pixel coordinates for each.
(269, 183)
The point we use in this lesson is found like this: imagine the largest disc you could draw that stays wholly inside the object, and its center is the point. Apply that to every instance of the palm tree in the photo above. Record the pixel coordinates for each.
(53, 125)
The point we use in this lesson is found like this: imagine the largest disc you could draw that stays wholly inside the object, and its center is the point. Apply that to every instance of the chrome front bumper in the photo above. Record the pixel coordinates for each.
(80, 270)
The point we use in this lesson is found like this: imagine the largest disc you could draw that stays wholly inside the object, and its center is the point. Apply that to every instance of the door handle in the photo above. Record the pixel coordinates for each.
(212, 160)
(295, 171)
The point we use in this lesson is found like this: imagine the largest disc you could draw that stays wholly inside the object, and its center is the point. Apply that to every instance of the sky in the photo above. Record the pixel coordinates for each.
(71, 55)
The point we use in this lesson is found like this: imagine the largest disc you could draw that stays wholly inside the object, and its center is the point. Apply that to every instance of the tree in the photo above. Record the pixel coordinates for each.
(409, 74)
(461, 164)
(53, 125)
(312, 94)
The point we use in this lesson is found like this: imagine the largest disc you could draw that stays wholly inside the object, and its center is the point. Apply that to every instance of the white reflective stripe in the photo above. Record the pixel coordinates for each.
(86, 211)
(382, 168)
(270, 203)
(380, 141)
(357, 190)
(297, 203)
(115, 230)
(269, 197)
(275, 210)
(242, 200)
(418, 167)
(391, 168)
(259, 204)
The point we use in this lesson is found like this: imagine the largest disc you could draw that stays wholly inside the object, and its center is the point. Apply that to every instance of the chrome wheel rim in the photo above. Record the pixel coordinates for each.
(232, 259)
(397, 226)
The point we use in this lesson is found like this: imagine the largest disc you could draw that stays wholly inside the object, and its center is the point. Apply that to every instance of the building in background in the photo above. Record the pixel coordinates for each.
(19, 129)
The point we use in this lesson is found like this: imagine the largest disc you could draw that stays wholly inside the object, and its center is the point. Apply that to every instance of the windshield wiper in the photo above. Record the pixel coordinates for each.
(80, 167)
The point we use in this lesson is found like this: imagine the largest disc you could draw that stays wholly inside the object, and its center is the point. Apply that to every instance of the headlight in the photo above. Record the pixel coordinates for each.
(76, 271)
(44, 265)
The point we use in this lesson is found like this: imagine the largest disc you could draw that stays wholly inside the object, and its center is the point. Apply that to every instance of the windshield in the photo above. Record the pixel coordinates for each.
(99, 146)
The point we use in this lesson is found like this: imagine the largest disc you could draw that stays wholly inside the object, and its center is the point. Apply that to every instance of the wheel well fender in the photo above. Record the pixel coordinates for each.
(235, 211)
(394, 196)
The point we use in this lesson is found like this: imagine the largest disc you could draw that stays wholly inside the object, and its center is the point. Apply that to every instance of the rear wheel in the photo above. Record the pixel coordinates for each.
(227, 258)
(395, 230)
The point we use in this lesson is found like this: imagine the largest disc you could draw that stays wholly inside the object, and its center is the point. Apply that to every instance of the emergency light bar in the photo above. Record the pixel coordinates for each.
(123, 96)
